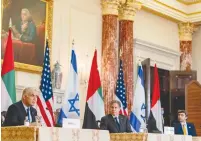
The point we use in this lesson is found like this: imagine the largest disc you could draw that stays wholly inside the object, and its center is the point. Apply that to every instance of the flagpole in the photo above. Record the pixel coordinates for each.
(73, 43)
(61, 40)
(10, 23)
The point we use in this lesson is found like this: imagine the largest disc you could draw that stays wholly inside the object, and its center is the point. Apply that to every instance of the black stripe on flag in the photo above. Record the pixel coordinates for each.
(89, 119)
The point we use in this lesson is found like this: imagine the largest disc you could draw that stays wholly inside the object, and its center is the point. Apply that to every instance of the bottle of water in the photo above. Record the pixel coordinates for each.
(26, 121)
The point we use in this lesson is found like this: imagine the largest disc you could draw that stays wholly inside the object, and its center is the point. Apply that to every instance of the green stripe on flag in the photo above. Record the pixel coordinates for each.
(100, 92)
(9, 81)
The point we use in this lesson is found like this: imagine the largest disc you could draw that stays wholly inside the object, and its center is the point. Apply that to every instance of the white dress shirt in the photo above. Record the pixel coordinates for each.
(25, 107)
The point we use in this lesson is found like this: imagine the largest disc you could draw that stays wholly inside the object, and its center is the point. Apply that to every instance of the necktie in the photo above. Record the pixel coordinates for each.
(28, 114)
(184, 129)
(117, 123)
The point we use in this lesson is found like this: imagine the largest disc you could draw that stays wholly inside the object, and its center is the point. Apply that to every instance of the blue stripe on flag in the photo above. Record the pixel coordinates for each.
(135, 123)
(141, 75)
(61, 116)
(74, 61)
(70, 107)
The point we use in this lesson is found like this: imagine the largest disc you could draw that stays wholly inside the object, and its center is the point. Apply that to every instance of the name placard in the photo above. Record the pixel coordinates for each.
(169, 130)
(71, 123)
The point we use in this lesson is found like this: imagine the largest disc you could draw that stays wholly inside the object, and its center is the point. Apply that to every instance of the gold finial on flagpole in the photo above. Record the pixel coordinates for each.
(47, 37)
(120, 53)
(73, 42)
(10, 23)
(154, 61)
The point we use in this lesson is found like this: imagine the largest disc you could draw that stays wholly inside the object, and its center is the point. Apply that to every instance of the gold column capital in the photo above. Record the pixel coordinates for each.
(128, 10)
(186, 31)
(110, 7)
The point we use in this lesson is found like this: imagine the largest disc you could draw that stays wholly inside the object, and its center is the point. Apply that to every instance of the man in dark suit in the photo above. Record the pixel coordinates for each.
(18, 111)
(114, 122)
(183, 127)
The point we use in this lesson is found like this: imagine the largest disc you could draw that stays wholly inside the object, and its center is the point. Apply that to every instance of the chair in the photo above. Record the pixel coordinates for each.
(3, 117)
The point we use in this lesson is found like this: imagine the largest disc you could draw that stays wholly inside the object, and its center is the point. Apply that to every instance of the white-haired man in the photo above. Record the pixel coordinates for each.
(26, 29)
(18, 111)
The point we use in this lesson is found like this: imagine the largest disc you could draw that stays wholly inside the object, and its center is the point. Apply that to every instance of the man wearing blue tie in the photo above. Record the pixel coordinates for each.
(184, 128)
(18, 111)
(114, 122)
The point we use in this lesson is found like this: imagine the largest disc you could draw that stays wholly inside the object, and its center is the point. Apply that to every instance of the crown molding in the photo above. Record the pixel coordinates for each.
(163, 10)
(190, 2)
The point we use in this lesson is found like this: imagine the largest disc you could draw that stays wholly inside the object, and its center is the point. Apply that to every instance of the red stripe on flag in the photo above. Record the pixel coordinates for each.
(49, 106)
(94, 79)
(8, 62)
(43, 113)
(125, 113)
(156, 88)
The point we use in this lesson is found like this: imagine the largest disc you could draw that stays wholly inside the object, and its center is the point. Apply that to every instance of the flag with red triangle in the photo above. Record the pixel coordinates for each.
(94, 108)
(155, 118)
(8, 90)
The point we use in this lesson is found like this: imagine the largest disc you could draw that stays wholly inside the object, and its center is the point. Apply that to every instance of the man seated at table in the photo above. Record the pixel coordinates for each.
(18, 111)
(184, 128)
(114, 122)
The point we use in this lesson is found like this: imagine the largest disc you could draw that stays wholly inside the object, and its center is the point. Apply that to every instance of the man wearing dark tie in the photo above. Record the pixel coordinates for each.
(18, 111)
(183, 127)
(114, 122)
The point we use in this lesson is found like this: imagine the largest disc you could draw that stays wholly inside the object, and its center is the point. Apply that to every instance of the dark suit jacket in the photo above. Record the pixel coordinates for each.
(16, 114)
(190, 128)
(108, 123)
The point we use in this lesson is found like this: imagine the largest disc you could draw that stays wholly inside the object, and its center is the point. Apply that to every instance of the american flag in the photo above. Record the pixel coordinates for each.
(121, 91)
(45, 101)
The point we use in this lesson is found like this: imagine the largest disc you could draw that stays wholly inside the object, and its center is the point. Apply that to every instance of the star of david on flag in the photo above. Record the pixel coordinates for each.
(71, 108)
(137, 116)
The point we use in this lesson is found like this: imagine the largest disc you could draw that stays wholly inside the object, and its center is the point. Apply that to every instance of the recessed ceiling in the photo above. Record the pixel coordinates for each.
(189, 2)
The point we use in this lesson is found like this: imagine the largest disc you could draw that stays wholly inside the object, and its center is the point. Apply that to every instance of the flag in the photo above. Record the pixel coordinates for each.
(8, 90)
(94, 108)
(137, 116)
(121, 91)
(155, 119)
(71, 108)
(45, 101)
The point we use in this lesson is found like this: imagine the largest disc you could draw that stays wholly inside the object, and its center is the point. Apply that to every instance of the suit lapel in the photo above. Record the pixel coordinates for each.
(121, 122)
(114, 123)
(188, 128)
(32, 114)
(23, 109)
(181, 129)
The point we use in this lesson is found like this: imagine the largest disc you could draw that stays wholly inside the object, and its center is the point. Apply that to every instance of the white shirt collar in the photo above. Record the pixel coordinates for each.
(25, 107)
(115, 116)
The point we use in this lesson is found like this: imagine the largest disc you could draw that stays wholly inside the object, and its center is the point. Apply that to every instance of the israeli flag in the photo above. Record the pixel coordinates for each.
(71, 108)
(137, 116)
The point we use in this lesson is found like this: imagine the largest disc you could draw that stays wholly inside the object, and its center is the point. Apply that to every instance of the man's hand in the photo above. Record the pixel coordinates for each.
(24, 27)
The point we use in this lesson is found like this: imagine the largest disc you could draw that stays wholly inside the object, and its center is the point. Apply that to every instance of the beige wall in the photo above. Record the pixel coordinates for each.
(196, 52)
(81, 20)
(157, 30)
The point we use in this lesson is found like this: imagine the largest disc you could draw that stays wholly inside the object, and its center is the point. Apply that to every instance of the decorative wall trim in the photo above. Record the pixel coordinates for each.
(189, 2)
(171, 13)
(164, 57)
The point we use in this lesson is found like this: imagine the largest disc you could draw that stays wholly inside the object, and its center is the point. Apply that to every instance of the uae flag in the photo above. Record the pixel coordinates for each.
(8, 91)
(155, 118)
(94, 108)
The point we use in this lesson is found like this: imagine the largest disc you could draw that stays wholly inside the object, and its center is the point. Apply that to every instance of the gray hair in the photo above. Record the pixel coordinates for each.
(28, 90)
(26, 11)
(115, 101)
